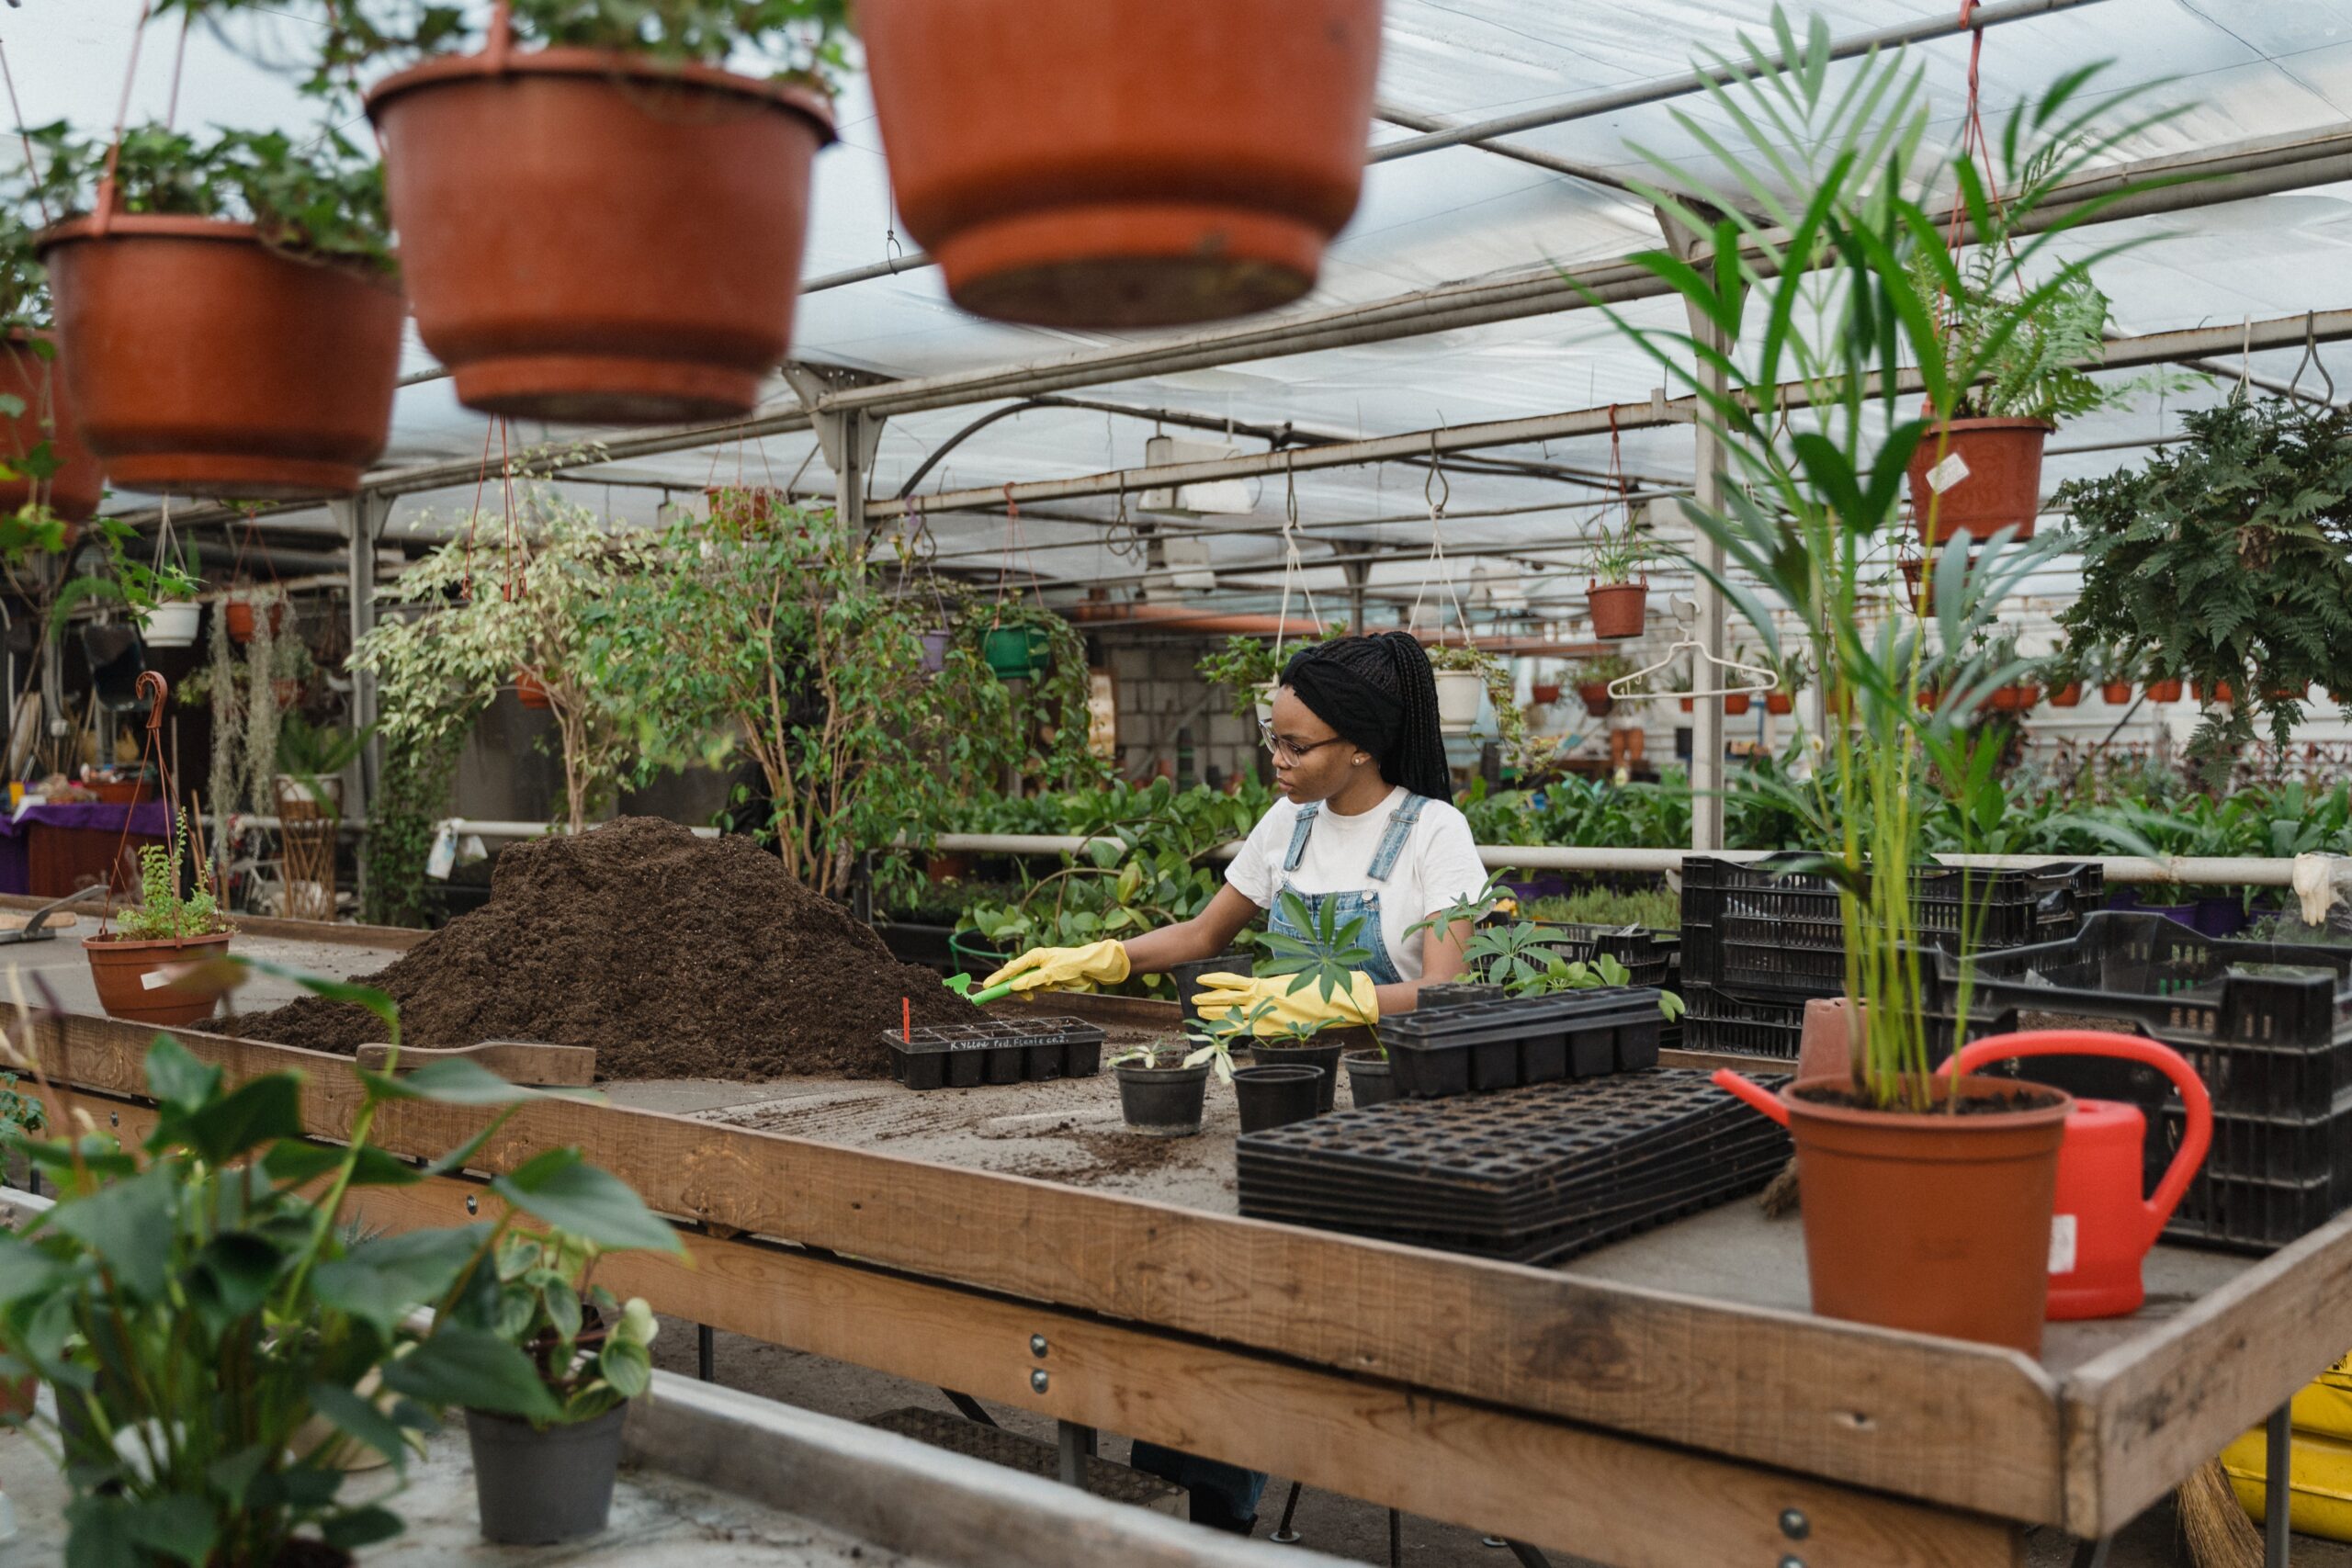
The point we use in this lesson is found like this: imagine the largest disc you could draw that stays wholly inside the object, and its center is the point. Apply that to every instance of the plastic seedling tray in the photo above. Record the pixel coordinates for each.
(1644, 954)
(997, 1051)
(1478, 1046)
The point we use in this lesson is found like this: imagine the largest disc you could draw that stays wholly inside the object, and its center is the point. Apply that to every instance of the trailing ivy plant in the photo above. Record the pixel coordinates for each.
(1242, 663)
(2226, 558)
(412, 798)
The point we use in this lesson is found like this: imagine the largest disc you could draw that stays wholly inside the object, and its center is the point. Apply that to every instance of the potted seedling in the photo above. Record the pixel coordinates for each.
(1163, 1086)
(1917, 1216)
(1593, 678)
(131, 963)
(1276, 1089)
(1209, 194)
(1318, 950)
(44, 462)
(2017, 695)
(228, 310)
(549, 1479)
(1795, 674)
(2067, 671)
(1618, 597)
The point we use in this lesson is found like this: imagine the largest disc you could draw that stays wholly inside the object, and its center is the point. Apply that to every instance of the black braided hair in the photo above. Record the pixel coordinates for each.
(1379, 693)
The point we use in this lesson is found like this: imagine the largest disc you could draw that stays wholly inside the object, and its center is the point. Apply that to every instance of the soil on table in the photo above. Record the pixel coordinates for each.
(673, 957)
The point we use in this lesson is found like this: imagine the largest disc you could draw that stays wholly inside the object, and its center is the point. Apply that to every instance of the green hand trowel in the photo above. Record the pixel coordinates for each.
(962, 986)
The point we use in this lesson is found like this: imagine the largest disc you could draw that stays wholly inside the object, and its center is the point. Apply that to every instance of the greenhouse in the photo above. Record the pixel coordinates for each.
(980, 783)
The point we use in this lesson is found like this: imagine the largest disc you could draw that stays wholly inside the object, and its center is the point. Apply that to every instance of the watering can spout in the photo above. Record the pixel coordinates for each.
(1758, 1097)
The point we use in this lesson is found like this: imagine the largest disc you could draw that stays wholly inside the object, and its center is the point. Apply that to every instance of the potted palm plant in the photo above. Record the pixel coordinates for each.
(169, 929)
(228, 311)
(1210, 192)
(1915, 1215)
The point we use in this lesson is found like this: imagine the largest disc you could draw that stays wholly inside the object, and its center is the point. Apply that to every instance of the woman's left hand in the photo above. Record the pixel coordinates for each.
(1240, 995)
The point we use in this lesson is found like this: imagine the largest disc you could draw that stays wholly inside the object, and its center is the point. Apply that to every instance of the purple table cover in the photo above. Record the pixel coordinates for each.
(147, 819)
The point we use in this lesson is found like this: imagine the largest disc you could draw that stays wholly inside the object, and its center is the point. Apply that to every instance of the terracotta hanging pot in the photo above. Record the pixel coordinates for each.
(1073, 164)
(241, 618)
(1596, 700)
(35, 380)
(2291, 693)
(202, 362)
(1779, 702)
(2115, 693)
(597, 237)
(530, 690)
(2220, 692)
(1618, 609)
(1931, 1221)
(1545, 693)
(2014, 699)
(2068, 695)
(120, 968)
(287, 694)
(1688, 705)
(2164, 691)
(1990, 471)
(1736, 705)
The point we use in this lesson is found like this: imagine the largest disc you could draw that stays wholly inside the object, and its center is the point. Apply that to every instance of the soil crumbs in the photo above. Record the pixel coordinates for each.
(673, 957)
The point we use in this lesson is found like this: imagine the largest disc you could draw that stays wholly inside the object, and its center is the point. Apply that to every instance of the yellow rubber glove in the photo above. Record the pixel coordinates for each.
(1239, 996)
(1063, 968)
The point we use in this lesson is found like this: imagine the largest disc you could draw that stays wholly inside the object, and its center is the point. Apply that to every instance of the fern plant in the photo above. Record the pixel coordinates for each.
(164, 914)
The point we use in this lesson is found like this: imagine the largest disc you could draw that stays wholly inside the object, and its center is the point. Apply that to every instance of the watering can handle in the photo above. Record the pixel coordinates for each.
(2194, 1142)
(1758, 1097)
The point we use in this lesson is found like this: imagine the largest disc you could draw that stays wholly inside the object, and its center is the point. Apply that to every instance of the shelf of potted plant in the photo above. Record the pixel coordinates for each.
(228, 311)
(1208, 194)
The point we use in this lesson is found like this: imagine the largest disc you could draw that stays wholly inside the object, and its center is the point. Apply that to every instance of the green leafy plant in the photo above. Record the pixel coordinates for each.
(164, 913)
(1242, 663)
(1327, 954)
(1617, 554)
(1603, 669)
(313, 755)
(202, 1301)
(19, 1112)
(1652, 908)
(539, 1297)
(2226, 558)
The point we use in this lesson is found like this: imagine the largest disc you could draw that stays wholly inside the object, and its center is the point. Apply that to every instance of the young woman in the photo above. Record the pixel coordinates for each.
(1365, 824)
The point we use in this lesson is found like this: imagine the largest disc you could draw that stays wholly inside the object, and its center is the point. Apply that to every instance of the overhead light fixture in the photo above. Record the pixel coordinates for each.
(1216, 498)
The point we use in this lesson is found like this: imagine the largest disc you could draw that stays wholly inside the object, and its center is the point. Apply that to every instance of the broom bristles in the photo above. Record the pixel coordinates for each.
(2213, 1525)
(1781, 1197)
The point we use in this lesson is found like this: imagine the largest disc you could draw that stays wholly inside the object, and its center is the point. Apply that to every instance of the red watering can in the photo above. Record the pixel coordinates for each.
(2101, 1229)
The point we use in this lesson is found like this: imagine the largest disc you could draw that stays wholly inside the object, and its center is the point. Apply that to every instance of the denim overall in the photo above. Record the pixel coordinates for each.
(1225, 1496)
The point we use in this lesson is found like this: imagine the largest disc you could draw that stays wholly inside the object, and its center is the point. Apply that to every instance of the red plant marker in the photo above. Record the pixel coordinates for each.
(907, 1019)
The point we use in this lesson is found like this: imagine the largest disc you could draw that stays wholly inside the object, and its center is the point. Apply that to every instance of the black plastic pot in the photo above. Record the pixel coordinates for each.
(1319, 1053)
(1369, 1082)
(1188, 978)
(1278, 1095)
(1163, 1102)
(536, 1488)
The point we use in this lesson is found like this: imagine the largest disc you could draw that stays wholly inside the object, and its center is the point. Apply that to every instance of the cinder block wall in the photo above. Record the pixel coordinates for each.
(1169, 719)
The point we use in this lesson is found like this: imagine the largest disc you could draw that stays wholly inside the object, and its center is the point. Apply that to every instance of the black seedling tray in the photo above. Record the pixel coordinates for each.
(1645, 953)
(1476, 1046)
(1750, 930)
(1717, 1020)
(960, 1055)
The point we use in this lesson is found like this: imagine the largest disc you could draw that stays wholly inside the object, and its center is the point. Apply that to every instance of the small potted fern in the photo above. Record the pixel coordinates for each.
(130, 964)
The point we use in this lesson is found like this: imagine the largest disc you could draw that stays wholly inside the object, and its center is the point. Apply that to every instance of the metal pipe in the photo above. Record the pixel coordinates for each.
(2187, 870)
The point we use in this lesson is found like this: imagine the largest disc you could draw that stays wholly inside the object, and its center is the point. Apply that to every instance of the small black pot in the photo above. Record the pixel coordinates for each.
(1368, 1079)
(1277, 1096)
(536, 1488)
(1188, 978)
(1318, 1052)
(1163, 1102)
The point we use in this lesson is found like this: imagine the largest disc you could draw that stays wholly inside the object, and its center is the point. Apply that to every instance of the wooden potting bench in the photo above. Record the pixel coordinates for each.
(1654, 1428)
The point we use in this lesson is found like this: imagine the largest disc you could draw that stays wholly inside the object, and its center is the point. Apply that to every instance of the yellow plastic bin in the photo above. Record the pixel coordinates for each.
(2320, 1503)
(2324, 1405)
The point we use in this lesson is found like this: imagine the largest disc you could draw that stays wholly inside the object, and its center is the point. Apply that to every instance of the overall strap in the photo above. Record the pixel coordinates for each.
(1299, 830)
(1392, 843)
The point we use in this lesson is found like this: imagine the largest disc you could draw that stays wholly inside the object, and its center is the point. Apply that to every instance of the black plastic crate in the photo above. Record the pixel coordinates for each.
(1745, 1026)
(998, 1050)
(1748, 929)
(1467, 1047)
(1646, 954)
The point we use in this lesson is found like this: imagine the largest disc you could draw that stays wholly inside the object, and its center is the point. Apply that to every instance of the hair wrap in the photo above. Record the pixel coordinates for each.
(1378, 692)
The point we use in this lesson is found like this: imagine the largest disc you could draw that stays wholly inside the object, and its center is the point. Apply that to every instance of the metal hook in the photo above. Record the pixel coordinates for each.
(897, 253)
(154, 695)
(2311, 357)
(1437, 489)
(1290, 489)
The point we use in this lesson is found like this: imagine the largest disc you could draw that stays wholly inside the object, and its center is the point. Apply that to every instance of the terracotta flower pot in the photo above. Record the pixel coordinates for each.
(1618, 608)
(241, 618)
(1688, 705)
(2014, 699)
(2220, 692)
(1596, 700)
(529, 690)
(2291, 693)
(2115, 693)
(288, 693)
(1736, 705)
(2068, 695)
(598, 237)
(2164, 691)
(1087, 164)
(1934, 1223)
(78, 487)
(1779, 702)
(119, 969)
(2002, 487)
(202, 362)
(1546, 692)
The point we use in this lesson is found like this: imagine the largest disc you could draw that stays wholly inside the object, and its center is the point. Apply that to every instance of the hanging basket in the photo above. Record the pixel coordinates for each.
(1545, 693)
(1595, 697)
(1990, 471)
(241, 618)
(78, 487)
(173, 625)
(1736, 705)
(934, 649)
(1459, 694)
(122, 969)
(2115, 693)
(1017, 653)
(2068, 695)
(202, 362)
(1779, 702)
(1264, 691)
(598, 237)
(1618, 609)
(2164, 691)
(530, 690)
(1123, 165)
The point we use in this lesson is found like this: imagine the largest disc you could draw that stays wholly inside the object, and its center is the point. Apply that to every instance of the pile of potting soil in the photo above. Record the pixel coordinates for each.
(673, 957)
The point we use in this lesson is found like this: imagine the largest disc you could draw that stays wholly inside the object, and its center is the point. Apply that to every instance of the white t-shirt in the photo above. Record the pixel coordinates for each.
(1438, 865)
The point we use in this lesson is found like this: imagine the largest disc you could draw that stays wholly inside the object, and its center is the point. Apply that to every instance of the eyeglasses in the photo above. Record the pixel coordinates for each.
(1290, 750)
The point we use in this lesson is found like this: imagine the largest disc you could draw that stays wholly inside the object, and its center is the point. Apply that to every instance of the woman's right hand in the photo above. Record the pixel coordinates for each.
(1064, 968)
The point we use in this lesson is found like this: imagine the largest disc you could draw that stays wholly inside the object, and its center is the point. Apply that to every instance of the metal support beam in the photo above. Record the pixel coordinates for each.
(360, 520)
(1707, 467)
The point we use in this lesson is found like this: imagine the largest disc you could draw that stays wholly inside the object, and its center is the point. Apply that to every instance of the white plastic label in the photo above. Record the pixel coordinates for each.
(2062, 1244)
(444, 856)
(1948, 473)
(153, 979)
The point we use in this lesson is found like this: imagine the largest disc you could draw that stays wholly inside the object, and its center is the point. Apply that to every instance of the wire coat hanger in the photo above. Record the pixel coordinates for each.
(1619, 690)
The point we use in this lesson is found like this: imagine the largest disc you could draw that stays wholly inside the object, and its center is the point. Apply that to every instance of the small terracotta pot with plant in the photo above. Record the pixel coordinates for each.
(135, 950)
